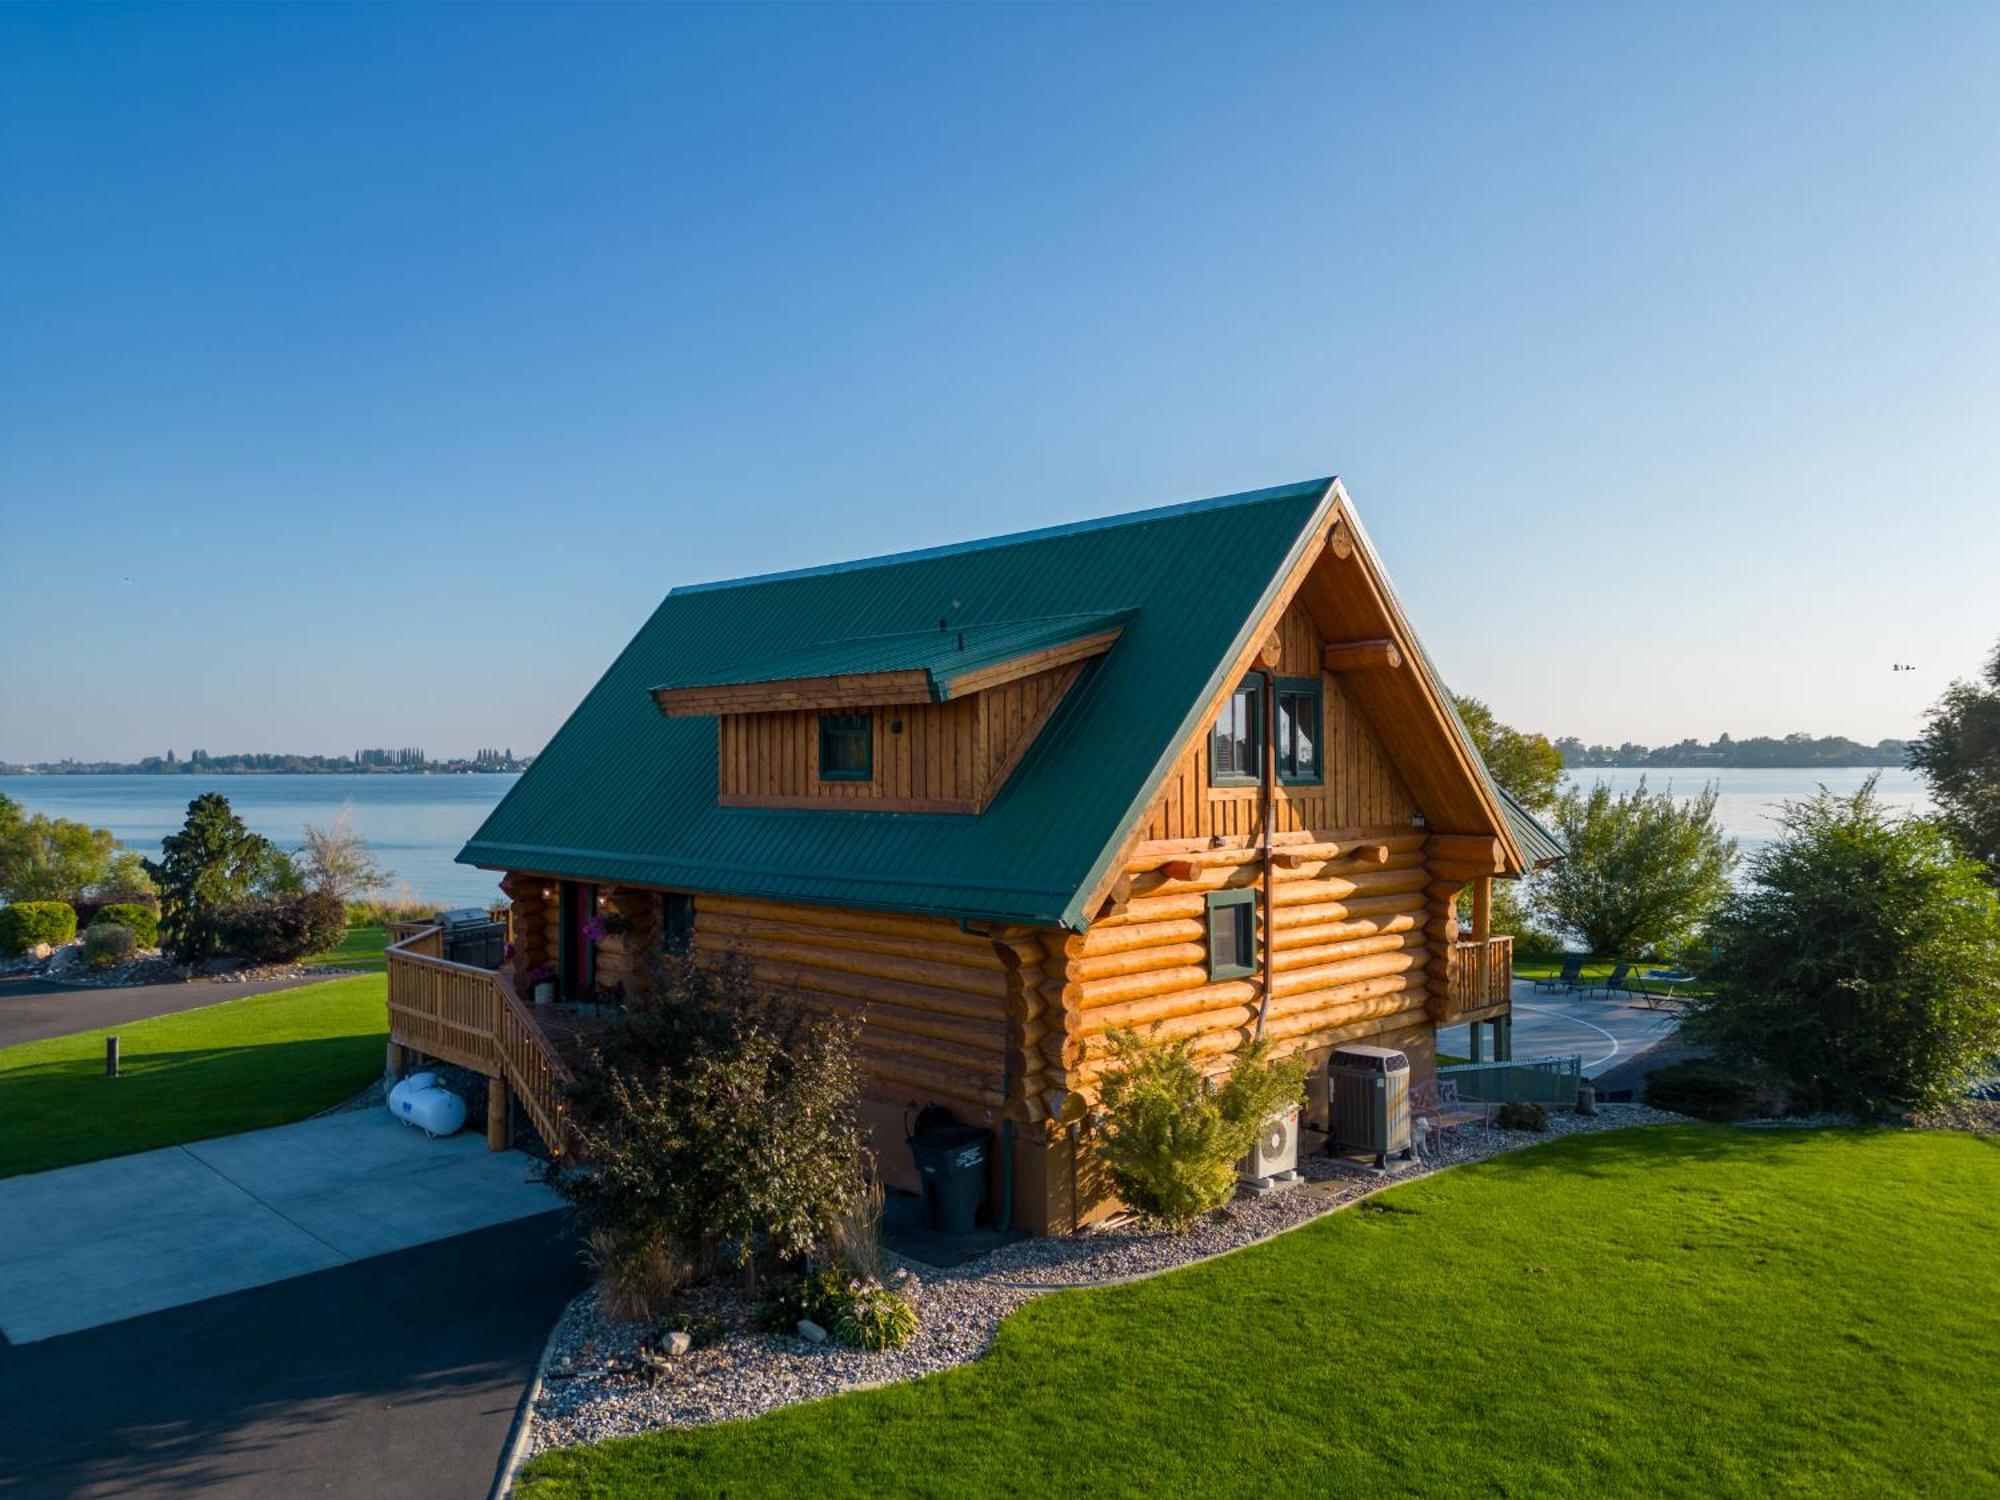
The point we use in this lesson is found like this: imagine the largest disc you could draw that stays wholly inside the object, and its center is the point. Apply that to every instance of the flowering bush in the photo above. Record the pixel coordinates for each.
(870, 1316)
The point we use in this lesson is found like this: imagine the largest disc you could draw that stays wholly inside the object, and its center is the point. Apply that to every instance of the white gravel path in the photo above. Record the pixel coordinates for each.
(592, 1390)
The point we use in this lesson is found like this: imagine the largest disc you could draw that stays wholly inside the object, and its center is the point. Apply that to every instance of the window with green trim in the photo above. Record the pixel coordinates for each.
(1236, 745)
(1299, 727)
(1232, 934)
(846, 747)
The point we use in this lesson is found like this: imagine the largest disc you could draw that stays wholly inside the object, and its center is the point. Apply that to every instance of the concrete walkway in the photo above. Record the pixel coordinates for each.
(89, 1245)
(32, 1009)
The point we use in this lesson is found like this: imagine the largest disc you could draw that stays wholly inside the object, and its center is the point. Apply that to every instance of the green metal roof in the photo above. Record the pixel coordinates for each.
(945, 653)
(622, 793)
(1538, 845)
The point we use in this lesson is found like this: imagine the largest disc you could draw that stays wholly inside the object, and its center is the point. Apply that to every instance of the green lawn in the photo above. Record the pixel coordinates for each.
(234, 1066)
(361, 949)
(1595, 970)
(1674, 1311)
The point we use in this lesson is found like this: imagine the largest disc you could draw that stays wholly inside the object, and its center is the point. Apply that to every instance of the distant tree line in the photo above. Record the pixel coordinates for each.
(1759, 750)
(200, 762)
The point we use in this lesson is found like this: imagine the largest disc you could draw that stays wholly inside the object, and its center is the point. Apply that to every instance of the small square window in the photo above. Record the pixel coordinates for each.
(846, 747)
(1236, 747)
(1232, 934)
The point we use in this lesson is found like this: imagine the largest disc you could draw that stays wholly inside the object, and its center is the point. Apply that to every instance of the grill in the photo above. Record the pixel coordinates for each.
(471, 936)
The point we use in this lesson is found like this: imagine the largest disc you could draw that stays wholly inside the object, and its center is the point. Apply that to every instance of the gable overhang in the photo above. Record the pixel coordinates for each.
(1348, 594)
(1407, 704)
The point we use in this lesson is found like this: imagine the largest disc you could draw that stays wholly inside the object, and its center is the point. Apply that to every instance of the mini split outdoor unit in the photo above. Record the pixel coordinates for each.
(1275, 1157)
(1368, 1102)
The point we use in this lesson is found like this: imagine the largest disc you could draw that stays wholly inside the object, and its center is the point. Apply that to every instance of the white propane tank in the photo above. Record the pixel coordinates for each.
(419, 1100)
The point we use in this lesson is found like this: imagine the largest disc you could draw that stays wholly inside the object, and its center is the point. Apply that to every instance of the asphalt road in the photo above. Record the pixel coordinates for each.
(31, 1009)
(397, 1376)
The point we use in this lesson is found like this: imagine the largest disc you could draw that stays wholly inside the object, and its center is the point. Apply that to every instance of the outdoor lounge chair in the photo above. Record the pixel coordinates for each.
(1620, 982)
(1571, 975)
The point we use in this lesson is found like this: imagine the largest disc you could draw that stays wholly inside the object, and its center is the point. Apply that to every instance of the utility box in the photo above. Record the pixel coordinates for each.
(1368, 1102)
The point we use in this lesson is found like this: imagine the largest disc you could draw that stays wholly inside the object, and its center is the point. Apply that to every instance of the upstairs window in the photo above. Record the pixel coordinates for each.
(1236, 747)
(846, 747)
(1232, 933)
(1299, 721)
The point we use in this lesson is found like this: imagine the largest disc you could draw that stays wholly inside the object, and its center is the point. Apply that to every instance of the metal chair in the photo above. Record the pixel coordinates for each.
(1568, 979)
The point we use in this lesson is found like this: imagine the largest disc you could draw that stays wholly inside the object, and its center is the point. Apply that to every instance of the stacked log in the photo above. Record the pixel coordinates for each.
(935, 1001)
(1351, 948)
(535, 920)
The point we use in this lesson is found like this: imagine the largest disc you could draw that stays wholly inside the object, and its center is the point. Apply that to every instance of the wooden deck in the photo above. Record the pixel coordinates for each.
(471, 1017)
(1482, 980)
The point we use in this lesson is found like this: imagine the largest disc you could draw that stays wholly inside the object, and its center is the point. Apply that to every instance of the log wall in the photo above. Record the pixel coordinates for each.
(946, 757)
(1359, 788)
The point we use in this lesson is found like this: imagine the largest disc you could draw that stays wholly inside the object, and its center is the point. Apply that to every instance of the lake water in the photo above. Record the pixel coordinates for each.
(1748, 800)
(417, 824)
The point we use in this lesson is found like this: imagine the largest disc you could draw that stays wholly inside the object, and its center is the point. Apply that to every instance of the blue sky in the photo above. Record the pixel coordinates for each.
(367, 373)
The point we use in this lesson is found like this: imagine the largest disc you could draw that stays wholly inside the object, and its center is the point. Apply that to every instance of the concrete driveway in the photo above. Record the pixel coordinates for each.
(110, 1240)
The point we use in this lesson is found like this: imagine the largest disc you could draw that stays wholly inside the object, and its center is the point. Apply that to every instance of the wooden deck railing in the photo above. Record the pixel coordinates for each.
(1482, 976)
(472, 1017)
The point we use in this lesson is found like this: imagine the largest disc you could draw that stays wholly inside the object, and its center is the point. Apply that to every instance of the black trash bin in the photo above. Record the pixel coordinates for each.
(951, 1159)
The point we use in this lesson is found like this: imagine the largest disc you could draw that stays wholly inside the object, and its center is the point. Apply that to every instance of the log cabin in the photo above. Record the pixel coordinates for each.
(1185, 770)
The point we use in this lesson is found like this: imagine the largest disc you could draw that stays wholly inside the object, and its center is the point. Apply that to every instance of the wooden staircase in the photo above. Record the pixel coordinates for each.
(472, 1017)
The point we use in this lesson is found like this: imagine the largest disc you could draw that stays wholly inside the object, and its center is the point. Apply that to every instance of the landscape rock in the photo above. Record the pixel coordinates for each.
(811, 1332)
(676, 1343)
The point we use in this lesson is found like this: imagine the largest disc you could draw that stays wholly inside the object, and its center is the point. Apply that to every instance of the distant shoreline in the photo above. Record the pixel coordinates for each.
(179, 771)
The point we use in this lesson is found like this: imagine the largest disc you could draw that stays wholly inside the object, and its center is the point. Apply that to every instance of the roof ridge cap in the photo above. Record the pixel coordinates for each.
(1010, 539)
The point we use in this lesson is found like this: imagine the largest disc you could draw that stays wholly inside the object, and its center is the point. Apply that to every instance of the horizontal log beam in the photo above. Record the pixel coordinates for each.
(1361, 656)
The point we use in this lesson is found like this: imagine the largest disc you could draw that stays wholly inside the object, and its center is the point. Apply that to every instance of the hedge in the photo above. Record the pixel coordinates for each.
(143, 920)
(27, 923)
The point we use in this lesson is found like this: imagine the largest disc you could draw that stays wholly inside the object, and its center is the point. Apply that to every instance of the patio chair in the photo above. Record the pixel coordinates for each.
(1568, 979)
(1619, 982)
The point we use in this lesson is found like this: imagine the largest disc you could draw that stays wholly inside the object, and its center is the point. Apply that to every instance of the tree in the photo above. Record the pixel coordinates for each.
(57, 859)
(1861, 966)
(1959, 755)
(337, 861)
(1644, 871)
(211, 864)
(1528, 766)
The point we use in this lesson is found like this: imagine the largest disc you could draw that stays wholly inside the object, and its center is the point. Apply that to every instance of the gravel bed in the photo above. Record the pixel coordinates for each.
(593, 1388)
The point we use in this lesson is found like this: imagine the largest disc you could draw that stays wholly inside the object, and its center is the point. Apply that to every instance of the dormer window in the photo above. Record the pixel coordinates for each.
(846, 747)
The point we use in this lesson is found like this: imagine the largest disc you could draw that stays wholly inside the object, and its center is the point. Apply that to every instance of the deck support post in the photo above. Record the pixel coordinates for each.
(496, 1114)
(394, 1064)
(1473, 1042)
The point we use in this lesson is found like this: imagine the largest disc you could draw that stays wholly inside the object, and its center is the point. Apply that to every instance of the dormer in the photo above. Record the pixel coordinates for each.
(929, 721)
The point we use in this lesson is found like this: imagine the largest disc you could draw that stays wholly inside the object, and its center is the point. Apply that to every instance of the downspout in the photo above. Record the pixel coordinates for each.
(1268, 805)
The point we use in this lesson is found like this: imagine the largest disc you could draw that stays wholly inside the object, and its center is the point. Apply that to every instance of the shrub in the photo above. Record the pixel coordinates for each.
(1710, 1091)
(1520, 1114)
(817, 1295)
(141, 921)
(1861, 966)
(27, 923)
(718, 1118)
(283, 928)
(870, 1316)
(108, 943)
(1172, 1137)
(637, 1278)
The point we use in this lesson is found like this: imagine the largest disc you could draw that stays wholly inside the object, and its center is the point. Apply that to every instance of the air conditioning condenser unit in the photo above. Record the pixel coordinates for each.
(1275, 1157)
